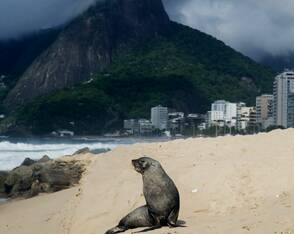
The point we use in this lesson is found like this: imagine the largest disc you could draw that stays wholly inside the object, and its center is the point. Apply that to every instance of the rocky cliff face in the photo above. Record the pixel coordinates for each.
(87, 45)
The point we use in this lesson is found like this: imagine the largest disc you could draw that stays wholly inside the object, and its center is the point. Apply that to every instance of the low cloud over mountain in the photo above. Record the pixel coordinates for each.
(253, 27)
(18, 17)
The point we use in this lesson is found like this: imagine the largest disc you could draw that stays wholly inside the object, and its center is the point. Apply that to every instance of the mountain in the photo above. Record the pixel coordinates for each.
(120, 58)
(87, 45)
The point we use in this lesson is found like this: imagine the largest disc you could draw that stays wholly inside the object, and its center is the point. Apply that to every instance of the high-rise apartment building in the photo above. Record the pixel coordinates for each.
(284, 99)
(159, 117)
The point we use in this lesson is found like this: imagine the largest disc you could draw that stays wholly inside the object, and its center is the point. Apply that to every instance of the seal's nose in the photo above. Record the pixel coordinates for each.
(134, 162)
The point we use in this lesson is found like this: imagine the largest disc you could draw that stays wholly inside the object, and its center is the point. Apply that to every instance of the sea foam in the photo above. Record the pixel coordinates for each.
(12, 154)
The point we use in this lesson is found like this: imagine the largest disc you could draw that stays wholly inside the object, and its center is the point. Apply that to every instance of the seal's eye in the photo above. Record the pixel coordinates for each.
(143, 163)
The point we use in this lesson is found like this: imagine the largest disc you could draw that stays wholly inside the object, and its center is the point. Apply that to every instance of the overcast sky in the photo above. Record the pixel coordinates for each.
(250, 26)
(22, 16)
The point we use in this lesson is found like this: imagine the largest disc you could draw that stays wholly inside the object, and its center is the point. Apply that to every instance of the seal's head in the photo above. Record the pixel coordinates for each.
(143, 164)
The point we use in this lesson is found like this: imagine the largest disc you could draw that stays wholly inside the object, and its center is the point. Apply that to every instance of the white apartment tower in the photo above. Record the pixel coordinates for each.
(159, 117)
(284, 99)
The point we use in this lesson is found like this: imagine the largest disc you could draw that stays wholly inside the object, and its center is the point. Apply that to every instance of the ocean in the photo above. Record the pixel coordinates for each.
(14, 151)
(2, 200)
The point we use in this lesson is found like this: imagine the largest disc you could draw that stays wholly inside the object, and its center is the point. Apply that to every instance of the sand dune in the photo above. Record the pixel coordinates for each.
(240, 184)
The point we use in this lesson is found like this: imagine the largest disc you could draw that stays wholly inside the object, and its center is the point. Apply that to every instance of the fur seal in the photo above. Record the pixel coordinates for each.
(161, 195)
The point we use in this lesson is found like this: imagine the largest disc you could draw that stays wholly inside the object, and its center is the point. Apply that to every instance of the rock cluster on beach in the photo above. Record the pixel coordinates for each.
(42, 176)
(3, 176)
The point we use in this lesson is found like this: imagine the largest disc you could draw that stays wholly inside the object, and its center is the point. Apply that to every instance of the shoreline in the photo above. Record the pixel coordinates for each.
(3, 200)
(14, 150)
(227, 185)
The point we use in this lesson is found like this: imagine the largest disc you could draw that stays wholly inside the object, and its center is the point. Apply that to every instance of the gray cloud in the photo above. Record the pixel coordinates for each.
(254, 27)
(18, 17)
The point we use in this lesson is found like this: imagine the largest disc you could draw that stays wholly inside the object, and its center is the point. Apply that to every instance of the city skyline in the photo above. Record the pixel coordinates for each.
(270, 110)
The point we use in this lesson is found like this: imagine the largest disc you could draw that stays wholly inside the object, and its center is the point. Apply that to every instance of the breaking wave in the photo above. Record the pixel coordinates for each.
(12, 154)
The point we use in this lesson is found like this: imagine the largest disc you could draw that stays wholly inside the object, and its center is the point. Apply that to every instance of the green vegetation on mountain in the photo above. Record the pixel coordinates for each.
(185, 70)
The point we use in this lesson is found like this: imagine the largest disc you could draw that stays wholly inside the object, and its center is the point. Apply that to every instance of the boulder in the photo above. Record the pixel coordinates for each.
(19, 181)
(82, 151)
(28, 162)
(40, 177)
(3, 176)
(100, 151)
(44, 159)
(60, 175)
(35, 188)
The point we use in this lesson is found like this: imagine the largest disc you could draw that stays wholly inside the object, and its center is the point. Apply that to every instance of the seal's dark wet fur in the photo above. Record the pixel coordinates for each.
(161, 195)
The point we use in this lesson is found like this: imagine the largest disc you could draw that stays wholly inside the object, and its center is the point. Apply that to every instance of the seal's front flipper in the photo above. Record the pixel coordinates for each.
(173, 218)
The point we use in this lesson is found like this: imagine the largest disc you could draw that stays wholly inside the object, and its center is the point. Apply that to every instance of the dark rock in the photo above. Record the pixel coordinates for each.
(3, 176)
(35, 188)
(41, 177)
(19, 181)
(59, 175)
(28, 162)
(44, 159)
(56, 179)
(82, 151)
(100, 151)
(45, 188)
(37, 167)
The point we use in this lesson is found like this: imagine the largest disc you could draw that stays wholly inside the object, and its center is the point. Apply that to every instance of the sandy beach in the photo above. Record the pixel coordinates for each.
(241, 184)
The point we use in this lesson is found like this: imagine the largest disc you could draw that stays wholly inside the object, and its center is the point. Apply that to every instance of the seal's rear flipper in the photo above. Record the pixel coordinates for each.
(138, 218)
(180, 223)
(116, 230)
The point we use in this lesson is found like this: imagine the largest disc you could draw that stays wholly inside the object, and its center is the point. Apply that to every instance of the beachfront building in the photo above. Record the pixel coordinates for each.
(229, 112)
(284, 99)
(176, 121)
(159, 117)
(145, 127)
(264, 110)
(175, 117)
(131, 126)
(202, 126)
(196, 119)
(252, 125)
(215, 117)
(243, 116)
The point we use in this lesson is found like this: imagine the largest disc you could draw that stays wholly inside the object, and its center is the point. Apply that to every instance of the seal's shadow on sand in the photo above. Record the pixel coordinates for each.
(180, 223)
